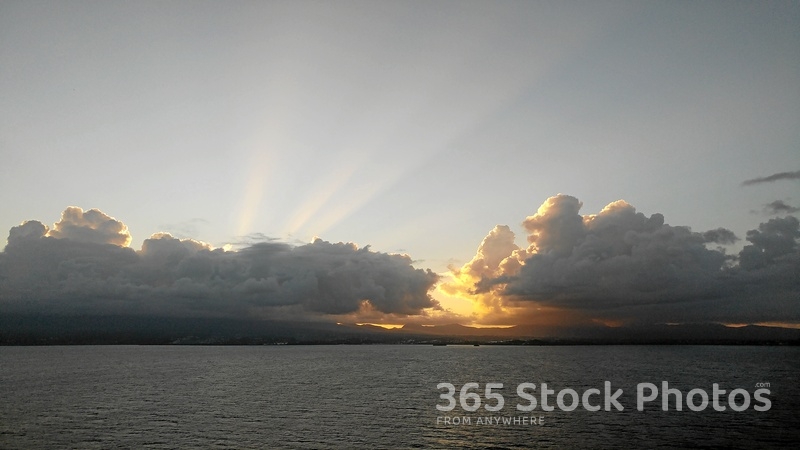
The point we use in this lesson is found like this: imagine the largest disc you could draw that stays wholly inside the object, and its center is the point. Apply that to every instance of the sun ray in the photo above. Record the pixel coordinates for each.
(322, 195)
(254, 192)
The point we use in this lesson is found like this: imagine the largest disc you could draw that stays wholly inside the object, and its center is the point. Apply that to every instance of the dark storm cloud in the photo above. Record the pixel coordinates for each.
(78, 268)
(620, 264)
(772, 241)
(779, 207)
(773, 177)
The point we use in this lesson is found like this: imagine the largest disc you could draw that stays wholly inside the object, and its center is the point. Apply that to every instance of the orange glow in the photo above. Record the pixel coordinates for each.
(388, 326)
(795, 326)
(460, 285)
(455, 303)
(609, 322)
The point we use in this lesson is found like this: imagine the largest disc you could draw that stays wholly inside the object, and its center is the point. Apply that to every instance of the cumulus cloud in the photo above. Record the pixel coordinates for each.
(28, 230)
(621, 265)
(774, 177)
(83, 265)
(492, 259)
(92, 226)
(618, 254)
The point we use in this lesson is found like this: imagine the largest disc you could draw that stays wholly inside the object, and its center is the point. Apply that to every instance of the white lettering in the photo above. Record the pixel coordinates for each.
(640, 398)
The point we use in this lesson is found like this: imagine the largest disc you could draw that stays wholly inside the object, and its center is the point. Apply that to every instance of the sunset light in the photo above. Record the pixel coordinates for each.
(367, 224)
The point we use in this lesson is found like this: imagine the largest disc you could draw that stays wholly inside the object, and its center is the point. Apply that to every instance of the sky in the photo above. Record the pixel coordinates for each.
(385, 162)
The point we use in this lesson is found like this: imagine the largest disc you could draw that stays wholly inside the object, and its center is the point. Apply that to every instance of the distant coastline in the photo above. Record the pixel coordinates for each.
(133, 330)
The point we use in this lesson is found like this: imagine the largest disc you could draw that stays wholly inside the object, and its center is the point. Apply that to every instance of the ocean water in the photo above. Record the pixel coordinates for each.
(385, 396)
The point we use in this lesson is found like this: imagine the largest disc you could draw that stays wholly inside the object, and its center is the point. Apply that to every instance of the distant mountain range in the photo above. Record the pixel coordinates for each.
(650, 333)
(98, 330)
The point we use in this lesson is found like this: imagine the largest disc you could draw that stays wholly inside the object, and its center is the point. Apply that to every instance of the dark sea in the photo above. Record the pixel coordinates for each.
(386, 396)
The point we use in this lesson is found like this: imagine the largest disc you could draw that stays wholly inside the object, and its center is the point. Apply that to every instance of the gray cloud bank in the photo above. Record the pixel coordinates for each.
(624, 266)
(617, 265)
(83, 266)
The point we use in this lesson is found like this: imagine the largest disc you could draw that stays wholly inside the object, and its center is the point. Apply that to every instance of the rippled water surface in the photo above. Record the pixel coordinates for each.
(380, 396)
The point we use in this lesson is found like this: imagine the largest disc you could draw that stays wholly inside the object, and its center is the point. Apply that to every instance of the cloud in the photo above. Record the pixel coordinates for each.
(772, 241)
(618, 254)
(779, 207)
(185, 228)
(29, 230)
(90, 226)
(774, 177)
(83, 265)
(254, 238)
(613, 267)
(720, 236)
(620, 265)
(493, 258)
